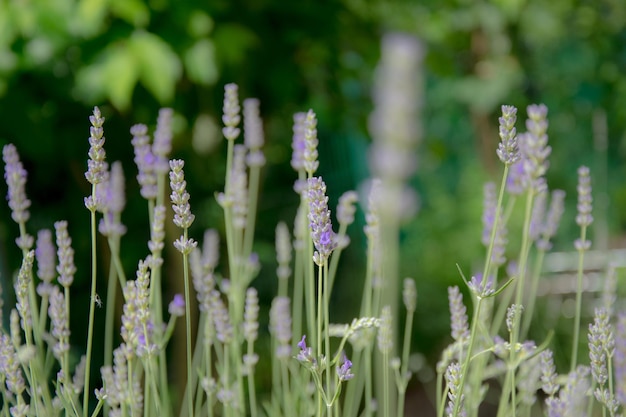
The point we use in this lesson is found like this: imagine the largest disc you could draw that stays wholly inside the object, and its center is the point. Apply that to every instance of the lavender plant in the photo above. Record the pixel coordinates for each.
(318, 367)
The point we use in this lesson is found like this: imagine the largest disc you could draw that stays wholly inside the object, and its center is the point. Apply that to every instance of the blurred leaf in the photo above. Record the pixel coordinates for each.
(200, 24)
(200, 62)
(90, 17)
(159, 66)
(134, 12)
(113, 75)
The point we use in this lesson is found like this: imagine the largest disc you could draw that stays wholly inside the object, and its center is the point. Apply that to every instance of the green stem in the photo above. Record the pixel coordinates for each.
(92, 303)
(188, 326)
(579, 293)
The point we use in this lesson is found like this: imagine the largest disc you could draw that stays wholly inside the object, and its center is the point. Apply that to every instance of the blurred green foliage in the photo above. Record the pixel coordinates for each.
(59, 58)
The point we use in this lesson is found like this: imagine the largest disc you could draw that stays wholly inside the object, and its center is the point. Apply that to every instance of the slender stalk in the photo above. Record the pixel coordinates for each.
(92, 305)
(188, 325)
(579, 293)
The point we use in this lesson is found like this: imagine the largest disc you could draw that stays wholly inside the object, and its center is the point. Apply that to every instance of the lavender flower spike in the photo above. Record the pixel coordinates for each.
(319, 221)
(584, 217)
(231, 117)
(458, 315)
(96, 166)
(310, 140)
(162, 145)
(508, 152)
(183, 217)
(298, 144)
(145, 161)
(15, 177)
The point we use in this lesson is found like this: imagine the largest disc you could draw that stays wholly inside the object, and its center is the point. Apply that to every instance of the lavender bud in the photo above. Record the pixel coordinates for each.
(253, 132)
(157, 231)
(162, 145)
(346, 207)
(60, 325)
(584, 217)
(409, 295)
(548, 373)
(319, 220)
(552, 220)
(513, 314)
(238, 190)
(508, 152)
(15, 177)
(96, 166)
(180, 197)
(231, 117)
(280, 326)
(221, 319)
(21, 290)
(385, 331)
(10, 367)
(619, 362)
(283, 251)
(177, 306)
(453, 380)
(145, 161)
(537, 215)
(46, 256)
(458, 314)
(516, 179)
(310, 140)
(210, 249)
(65, 253)
(251, 316)
(534, 147)
(298, 144)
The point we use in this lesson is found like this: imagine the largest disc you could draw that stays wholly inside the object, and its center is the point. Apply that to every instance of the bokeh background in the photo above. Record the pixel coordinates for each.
(130, 57)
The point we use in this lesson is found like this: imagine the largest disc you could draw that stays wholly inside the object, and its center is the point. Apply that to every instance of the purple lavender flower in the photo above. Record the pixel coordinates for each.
(601, 344)
(344, 370)
(177, 306)
(319, 220)
(145, 161)
(508, 151)
(458, 315)
(15, 177)
(298, 144)
(306, 353)
(346, 207)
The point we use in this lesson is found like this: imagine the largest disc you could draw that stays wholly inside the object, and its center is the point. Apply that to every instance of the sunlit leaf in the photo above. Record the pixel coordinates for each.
(89, 19)
(200, 62)
(135, 12)
(113, 75)
(159, 66)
